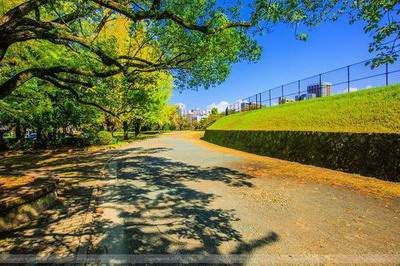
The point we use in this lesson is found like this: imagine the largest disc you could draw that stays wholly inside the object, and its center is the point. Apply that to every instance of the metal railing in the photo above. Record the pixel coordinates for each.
(346, 79)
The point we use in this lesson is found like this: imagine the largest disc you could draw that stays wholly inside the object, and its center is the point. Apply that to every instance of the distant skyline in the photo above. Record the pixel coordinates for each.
(285, 59)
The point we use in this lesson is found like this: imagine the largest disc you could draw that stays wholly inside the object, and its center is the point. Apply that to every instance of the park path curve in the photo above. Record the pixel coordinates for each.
(174, 195)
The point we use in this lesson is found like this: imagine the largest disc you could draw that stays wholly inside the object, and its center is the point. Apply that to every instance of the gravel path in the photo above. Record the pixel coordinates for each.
(170, 195)
(175, 194)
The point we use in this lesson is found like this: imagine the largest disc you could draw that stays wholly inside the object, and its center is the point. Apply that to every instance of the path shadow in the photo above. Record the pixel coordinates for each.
(60, 228)
(170, 216)
(56, 228)
(167, 216)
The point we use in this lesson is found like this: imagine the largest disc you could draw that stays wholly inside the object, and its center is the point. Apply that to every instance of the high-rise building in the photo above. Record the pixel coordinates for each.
(320, 90)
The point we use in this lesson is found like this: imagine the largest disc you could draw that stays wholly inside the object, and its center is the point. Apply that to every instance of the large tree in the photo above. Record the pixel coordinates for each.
(197, 40)
(77, 29)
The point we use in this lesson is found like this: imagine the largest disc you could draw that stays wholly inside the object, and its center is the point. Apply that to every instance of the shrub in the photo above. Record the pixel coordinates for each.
(104, 138)
(371, 154)
(74, 141)
(90, 137)
(206, 122)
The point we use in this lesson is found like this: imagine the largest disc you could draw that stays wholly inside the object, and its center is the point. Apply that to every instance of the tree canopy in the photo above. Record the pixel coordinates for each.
(197, 41)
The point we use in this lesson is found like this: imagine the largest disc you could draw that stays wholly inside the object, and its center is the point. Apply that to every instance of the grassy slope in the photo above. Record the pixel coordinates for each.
(372, 110)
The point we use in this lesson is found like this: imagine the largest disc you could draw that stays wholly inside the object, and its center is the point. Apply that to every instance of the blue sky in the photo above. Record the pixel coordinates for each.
(285, 59)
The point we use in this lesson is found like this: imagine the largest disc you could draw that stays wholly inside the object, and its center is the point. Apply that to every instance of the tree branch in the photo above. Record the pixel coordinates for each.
(20, 78)
(156, 5)
(166, 15)
(21, 10)
(76, 95)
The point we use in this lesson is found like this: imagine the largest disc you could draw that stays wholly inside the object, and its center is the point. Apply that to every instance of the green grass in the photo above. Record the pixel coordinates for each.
(373, 110)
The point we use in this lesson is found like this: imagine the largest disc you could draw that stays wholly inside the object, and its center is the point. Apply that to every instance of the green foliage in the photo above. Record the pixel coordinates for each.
(104, 138)
(45, 110)
(175, 120)
(372, 154)
(214, 111)
(381, 20)
(89, 136)
(371, 110)
(209, 120)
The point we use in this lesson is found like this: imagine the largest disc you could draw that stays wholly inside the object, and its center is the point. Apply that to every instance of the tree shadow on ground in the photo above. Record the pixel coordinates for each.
(172, 217)
(58, 229)
(167, 215)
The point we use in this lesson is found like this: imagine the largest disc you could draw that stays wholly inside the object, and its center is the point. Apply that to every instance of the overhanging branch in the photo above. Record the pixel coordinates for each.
(20, 78)
(76, 95)
(166, 15)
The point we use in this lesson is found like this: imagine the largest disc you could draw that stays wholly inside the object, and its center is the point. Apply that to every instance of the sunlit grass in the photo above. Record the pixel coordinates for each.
(371, 110)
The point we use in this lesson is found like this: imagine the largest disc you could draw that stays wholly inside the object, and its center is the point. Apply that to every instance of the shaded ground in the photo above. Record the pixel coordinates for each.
(173, 195)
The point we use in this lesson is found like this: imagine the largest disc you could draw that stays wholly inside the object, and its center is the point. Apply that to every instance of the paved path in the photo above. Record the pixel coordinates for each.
(172, 195)
(177, 195)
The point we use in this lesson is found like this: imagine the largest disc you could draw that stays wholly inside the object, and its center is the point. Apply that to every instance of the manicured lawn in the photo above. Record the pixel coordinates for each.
(371, 110)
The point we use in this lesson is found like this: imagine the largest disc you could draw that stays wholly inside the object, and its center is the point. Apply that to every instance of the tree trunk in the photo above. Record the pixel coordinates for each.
(18, 132)
(3, 145)
(23, 132)
(137, 127)
(39, 135)
(125, 127)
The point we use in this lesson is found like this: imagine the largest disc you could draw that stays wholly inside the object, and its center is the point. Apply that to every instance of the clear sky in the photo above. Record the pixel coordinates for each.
(285, 59)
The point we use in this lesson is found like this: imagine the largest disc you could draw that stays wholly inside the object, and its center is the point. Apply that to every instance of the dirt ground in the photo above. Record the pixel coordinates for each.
(176, 194)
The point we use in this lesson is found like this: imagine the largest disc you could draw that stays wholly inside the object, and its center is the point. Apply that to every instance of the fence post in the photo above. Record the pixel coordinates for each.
(257, 101)
(320, 80)
(387, 73)
(270, 100)
(259, 98)
(348, 78)
(298, 87)
(282, 92)
(320, 86)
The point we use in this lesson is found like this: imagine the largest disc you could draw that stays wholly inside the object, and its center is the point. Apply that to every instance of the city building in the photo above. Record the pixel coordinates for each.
(196, 114)
(282, 100)
(319, 90)
(245, 106)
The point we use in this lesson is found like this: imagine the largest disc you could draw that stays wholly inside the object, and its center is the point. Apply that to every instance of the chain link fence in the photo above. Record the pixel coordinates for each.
(346, 79)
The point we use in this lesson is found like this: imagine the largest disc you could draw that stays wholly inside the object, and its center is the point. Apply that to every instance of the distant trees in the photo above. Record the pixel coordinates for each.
(214, 111)
(47, 112)
(209, 120)
(176, 121)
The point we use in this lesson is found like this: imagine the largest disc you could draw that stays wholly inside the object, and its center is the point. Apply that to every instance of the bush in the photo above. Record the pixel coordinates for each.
(208, 121)
(104, 138)
(90, 137)
(371, 154)
(74, 141)
(13, 144)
